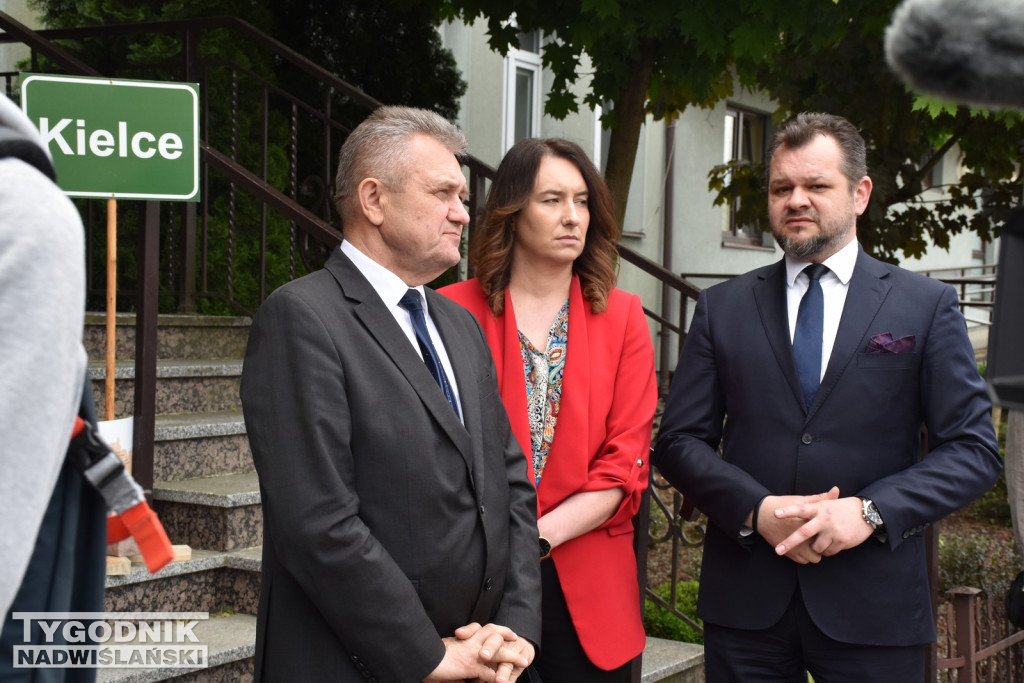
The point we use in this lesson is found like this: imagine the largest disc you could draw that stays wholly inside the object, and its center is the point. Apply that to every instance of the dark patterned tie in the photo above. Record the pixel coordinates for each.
(412, 303)
(809, 329)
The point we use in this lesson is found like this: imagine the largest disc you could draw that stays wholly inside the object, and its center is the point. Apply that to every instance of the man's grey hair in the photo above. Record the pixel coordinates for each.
(806, 126)
(377, 148)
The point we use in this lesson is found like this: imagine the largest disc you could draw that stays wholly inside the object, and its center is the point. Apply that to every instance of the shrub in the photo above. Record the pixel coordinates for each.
(661, 623)
(992, 508)
(979, 560)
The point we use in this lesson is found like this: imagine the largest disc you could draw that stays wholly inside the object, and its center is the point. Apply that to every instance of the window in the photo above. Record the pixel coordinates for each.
(744, 141)
(934, 177)
(522, 110)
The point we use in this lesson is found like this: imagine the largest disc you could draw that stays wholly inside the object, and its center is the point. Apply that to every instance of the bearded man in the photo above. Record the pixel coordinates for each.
(820, 376)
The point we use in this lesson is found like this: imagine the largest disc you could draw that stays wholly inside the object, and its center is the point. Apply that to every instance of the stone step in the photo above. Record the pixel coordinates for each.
(669, 661)
(194, 445)
(181, 387)
(211, 581)
(230, 640)
(180, 337)
(213, 513)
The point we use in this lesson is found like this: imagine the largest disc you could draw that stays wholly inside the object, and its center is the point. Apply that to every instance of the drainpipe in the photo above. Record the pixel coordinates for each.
(666, 362)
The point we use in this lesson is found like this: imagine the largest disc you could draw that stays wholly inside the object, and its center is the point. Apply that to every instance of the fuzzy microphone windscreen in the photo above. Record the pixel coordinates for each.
(967, 51)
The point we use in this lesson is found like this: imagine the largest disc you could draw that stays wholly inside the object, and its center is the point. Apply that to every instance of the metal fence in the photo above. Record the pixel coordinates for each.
(977, 643)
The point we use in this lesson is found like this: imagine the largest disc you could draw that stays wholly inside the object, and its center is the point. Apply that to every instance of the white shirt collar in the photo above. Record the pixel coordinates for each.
(390, 288)
(840, 263)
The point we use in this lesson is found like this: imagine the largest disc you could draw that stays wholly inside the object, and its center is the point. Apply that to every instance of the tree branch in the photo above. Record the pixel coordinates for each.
(905, 193)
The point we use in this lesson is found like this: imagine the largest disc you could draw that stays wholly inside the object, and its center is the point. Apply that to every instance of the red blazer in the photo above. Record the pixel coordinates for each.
(602, 440)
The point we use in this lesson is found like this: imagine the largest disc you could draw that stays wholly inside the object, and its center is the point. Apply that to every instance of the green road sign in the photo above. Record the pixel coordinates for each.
(118, 139)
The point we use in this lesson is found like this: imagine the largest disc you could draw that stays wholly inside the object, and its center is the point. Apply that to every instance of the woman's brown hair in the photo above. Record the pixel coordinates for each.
(490, 251)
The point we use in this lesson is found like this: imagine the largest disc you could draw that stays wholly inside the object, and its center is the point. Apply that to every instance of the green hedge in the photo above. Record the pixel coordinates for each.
(660, 623)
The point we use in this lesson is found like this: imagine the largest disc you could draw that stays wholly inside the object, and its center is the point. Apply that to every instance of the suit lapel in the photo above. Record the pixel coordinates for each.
(381, 325)
(869, 287)
(770, 295)
(466, 434)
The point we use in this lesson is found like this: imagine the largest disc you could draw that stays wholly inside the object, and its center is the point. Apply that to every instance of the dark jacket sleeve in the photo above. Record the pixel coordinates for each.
(963, 459)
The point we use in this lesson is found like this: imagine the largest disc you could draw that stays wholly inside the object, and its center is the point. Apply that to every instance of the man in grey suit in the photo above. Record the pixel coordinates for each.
(400, 536)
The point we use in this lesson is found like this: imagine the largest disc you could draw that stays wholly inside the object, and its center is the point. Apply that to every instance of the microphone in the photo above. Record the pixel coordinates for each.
(967, 51)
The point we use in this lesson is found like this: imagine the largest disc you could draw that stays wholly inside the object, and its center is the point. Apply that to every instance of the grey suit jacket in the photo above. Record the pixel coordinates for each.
(387, 523)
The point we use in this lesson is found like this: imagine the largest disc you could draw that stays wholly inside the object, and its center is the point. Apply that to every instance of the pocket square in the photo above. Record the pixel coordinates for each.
(884, 343)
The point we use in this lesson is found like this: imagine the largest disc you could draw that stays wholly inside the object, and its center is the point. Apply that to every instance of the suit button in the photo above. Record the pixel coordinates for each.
(488, 584)
(640, 462)
(806, 439)
(482, 509)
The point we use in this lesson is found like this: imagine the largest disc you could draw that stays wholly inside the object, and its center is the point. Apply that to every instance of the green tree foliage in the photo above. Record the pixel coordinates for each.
(907, 137)
(390, 50)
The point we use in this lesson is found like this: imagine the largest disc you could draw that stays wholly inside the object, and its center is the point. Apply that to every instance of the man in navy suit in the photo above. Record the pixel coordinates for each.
(848, 422)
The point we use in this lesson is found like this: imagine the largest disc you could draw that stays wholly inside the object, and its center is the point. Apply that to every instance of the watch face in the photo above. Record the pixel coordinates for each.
(545, 547)
(871, 515)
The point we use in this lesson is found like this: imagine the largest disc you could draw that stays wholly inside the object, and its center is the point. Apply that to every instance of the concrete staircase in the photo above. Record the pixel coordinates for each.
(207, 496)
(205, 489)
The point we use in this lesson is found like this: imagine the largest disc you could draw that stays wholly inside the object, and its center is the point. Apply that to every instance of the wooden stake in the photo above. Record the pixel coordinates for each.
(111, 305)
(118, 566)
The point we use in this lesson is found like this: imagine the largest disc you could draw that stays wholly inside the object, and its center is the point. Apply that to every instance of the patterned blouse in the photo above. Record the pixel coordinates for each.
(543, 371)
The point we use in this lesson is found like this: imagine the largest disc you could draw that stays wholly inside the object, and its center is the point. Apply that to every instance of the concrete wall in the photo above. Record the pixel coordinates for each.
(643, 229)
(483, 71)
(698, 224)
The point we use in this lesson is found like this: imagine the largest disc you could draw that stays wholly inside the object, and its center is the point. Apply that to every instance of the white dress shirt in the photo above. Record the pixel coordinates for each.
(391, 288)
(834, 286)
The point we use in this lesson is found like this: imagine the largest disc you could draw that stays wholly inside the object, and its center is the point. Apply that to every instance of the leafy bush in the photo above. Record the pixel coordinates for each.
(977, 549)
(994, 506)
(976, 559)
(660, 623)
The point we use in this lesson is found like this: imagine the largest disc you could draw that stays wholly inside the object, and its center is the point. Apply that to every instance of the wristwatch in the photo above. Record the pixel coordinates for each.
(545, 548)
(870, 514)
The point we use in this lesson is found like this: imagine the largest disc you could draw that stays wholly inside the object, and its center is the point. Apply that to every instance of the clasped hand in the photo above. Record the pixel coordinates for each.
(807, 528)
(486, 654)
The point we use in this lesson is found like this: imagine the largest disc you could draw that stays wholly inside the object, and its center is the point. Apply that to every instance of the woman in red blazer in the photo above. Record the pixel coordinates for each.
(575, 369)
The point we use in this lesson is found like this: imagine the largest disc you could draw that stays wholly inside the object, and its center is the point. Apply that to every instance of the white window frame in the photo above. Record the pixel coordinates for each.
(599, 146)
(515, 60)
(733, 234)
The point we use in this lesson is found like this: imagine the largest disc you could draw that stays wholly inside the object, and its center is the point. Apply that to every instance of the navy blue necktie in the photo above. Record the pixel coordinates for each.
(412, 303)
(810, 321)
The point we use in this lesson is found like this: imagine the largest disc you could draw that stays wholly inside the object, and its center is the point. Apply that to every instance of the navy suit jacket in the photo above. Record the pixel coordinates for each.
(737, 385)
(387, 522)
